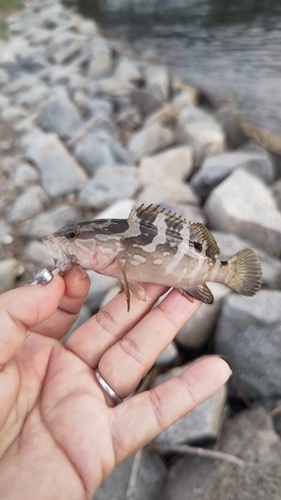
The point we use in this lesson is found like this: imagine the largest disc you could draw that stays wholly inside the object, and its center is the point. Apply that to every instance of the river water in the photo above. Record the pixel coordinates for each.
(230, 50)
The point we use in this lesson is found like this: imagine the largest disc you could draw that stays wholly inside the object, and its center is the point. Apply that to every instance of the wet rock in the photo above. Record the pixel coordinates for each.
(5, 233)
(248, 335)
(249, 436)
(202, 423)
(127, 70)
(27, 204)
(96, 150)
(36, 252)
(60, 172)
(64, 45)
(150, 139)
(200, 131)
(59, 115)
(50, 221)
(229, 244)
(172, 164)
(140, 476)
(24, 175)
(100, 285)
(197, 331)
(100, 57)
(108, 185)
(216, 168)
(244, 205)
(10, 270)
(168, 356)
(171, 192)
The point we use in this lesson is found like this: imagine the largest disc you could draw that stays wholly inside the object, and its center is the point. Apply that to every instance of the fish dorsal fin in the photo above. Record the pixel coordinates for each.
(145, 214)
(200, 234)
(165, 220)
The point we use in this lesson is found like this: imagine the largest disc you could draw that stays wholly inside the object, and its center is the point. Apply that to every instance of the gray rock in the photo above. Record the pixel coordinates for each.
(109, 184)
(38, 36)
(50, 221)
(24, 175)
(248, 335)
(55, 16)
(58, 114)
(32, 97)
(249, 436)
(139, 477)
(27, 204)
(67, 76)
(230, 244)
(216, 168)
(4, 77)
(87, 27)
(36, 252)
(192, 213)
(157, 81)
(202, 423)
(10, 270)
(168, 356)
(244, 205)
(4, 102)
(93, 107)
(129, 118)
(150, 139)
(13, 114)
(100, 285)
(96, 150)
(60, 173)
(100, 57)
(118, 210)
(171, 192)
(186, 97)
(200, 131)
(5, 233)
(167, 115)
(276, 188)
(33, 59)
(64, 45)
(84, 315)
(197, 331)
(117, 90)
(127, 70)
(172, 164)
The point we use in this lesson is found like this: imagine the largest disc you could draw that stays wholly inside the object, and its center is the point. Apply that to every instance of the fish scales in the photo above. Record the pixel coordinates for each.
(155, 246)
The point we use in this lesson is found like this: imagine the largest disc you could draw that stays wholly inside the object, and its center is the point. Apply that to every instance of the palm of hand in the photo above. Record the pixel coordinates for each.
(60, 435)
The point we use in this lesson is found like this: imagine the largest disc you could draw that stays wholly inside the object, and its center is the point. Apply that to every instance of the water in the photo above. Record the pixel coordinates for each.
(230, 50)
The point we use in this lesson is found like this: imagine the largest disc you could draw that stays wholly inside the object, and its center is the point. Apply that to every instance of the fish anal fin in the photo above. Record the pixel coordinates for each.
(200, 234)
(137, 289)
(200, 292)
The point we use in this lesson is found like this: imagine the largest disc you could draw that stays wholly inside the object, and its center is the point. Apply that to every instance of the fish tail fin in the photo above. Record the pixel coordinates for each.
(247, 272)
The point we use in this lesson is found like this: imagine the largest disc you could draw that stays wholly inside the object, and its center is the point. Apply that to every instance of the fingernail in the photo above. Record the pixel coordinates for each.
(80, 273)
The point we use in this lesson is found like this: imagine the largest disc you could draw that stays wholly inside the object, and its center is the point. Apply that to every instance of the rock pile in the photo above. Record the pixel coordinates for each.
(88, 125)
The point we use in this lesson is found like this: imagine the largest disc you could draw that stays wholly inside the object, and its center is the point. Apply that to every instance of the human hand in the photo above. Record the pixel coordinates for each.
(61, 435)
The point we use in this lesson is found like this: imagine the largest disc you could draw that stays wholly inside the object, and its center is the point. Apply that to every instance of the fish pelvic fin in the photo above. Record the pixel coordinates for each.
(131, 286)
(247, 276)
(200, 292)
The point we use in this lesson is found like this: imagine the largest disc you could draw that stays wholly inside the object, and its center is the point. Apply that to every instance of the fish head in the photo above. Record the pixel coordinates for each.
(81, 244)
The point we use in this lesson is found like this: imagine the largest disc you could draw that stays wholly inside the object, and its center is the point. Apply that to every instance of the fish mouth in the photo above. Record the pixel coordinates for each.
(63, 261)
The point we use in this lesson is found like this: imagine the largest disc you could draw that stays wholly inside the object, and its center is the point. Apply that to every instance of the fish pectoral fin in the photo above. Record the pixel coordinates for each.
(124, 285)
(137, 289)
(200, 292)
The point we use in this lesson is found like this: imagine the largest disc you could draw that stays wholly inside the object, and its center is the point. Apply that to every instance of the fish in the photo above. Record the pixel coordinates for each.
(157, 246)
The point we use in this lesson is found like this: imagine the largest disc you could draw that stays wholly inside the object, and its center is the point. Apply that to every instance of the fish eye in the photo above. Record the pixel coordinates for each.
(72, 233)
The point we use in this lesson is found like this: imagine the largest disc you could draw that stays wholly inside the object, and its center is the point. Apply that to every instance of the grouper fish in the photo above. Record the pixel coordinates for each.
(153, 245)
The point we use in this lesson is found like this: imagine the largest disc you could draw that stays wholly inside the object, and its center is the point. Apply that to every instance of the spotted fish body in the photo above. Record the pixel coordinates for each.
(154, 246)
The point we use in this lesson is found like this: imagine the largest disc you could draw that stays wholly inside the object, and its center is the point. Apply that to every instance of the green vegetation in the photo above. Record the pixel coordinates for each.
(6, 6)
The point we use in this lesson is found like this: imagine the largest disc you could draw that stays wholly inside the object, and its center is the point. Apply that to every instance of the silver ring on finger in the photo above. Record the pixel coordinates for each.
(107, 388)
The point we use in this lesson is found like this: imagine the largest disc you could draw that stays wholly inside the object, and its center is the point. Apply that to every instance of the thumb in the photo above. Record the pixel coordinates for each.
(24, 308)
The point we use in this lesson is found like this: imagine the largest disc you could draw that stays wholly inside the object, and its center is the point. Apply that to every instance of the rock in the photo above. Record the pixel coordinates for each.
(4, 103)
(129, 118)
(38, 36)
(67, 76)
(276, 188)
(24, 175)
(32, 97)
(36, 252)
(5, 233)
(100, 285)
(100, 57)
(229, 244)
(118, 210)
(13, 114)
(244, 205)
(250, 436)
(168, 356)
(96, 150)
(64, 45)
(200, 131)
(166, 116)
(54, 16)
(248, 335)
(117, 90)
(139, 477)
(4, 77)
(84, 315)
(10, 270)
(197, 331)
(93, 107)
(186, 97)
(50, 221)
(33, 59)
(171, 192)
(202, 423)
(87, 27)
(150, 139)
(109, 184)
(59, 171)
(59, 115)
(127, 70)
(216, 168)
(27, 204)
(172, 164)
(157, 81)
